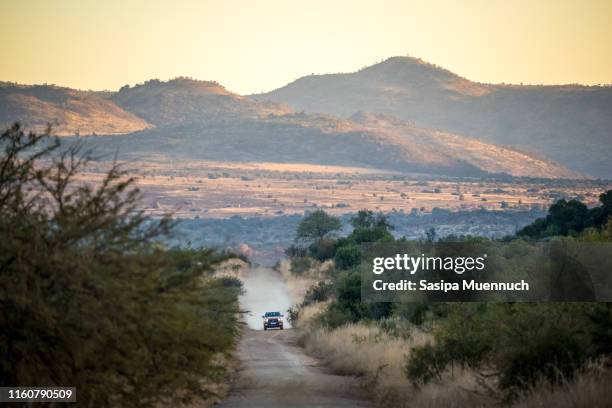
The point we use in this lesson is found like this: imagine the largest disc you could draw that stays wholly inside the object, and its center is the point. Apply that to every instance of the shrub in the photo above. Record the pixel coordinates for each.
(425, 363)
(377, 234)
(301, 265)
(322, 249)
(318, 293)
(347, 256)
(570, 218)
(88, 299)
(295, 251)
(415, 313)
(517, 343)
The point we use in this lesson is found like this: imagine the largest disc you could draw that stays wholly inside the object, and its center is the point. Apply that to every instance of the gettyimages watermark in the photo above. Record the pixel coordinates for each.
(487, 271)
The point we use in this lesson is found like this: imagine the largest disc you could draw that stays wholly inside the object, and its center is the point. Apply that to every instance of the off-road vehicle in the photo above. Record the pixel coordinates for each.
(272, 320)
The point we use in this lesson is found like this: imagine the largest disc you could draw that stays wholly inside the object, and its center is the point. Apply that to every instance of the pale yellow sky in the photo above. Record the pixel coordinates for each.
(255, 45)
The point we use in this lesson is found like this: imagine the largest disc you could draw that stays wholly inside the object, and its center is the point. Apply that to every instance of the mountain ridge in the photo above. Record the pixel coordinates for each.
(68, 110)
(203, 120)
(570, 124)
(157, 102)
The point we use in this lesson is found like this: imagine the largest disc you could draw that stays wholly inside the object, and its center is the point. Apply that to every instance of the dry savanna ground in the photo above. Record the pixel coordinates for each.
(191, 189)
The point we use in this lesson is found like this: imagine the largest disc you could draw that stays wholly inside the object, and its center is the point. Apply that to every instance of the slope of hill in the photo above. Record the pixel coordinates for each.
(444, 147)
(184, 100)
(319, 139)
(69, 111)
(184, 118)
(569, 124)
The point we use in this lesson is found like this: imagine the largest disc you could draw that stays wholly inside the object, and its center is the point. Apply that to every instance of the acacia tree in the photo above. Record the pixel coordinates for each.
(367, 219)
(316, 226)
(87, 298)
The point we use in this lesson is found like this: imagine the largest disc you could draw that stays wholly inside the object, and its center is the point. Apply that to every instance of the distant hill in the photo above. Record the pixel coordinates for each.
(185, 118)
(367, 141)
(570, 124)
(184, 100)
(444, 147)
(68, 110)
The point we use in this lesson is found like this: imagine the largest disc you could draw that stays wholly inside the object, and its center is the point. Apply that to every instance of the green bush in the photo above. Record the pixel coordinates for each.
(425, 364)
(518, 343)
(323, 249)
(347, 256)
(318, 293)
(570, 218)
(348, 307)
(88, 299)
(336, 316)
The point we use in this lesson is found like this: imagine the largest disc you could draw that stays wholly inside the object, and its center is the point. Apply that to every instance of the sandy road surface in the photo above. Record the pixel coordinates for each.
(277, 373)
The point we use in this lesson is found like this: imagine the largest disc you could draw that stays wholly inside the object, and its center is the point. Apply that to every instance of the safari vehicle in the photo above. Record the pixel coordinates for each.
(272, 320)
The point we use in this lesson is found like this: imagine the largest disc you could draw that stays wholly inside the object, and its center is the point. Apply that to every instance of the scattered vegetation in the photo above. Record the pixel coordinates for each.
(479, 353)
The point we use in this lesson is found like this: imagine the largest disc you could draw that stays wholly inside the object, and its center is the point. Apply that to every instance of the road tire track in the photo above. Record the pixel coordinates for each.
(275, 372)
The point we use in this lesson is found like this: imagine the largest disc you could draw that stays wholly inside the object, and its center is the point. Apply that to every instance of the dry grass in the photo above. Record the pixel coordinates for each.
(378, 358)
(592, 389)
(298, 284)
(234, 268)
(186, 190)
(309, 312)
(368, 352)
(360, 349)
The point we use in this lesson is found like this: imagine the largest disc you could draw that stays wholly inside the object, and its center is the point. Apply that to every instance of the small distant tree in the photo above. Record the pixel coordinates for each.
(366, 219)
(316, 226)
(370, 227)
(431, 235)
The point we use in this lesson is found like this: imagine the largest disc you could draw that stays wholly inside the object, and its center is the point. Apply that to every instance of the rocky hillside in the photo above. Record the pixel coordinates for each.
(69, 111)
(367, 141)
(184, 100)
(569, 124)
(184, 118)
(442, 147)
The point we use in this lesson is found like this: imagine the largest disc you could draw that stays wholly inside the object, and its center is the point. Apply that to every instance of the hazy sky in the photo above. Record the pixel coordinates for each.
(258, 45)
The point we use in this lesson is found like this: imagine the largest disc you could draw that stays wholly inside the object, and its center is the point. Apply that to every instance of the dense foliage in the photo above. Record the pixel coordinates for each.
(87, 298)
(570, 218)
(510, 346)
(516, 343)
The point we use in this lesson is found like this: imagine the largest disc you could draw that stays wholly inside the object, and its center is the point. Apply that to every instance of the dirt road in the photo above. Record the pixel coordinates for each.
(277, 373)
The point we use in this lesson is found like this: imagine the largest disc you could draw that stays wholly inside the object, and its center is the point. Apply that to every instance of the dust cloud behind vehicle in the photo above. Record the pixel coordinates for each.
(264, 290)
